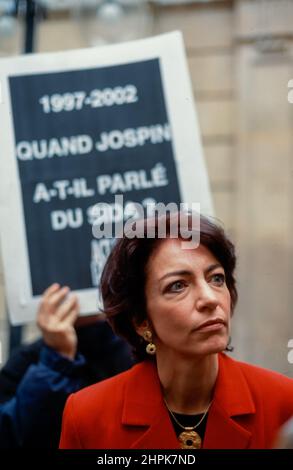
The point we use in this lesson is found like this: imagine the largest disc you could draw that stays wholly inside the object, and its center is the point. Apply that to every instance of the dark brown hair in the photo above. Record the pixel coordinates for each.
(124, 275)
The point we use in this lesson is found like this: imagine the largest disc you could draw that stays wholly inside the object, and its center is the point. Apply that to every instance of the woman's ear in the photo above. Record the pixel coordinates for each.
(142, 327)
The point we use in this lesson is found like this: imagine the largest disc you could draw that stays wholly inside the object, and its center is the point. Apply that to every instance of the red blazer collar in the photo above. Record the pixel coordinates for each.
(144, 406)
(232, 392)
(232, 398)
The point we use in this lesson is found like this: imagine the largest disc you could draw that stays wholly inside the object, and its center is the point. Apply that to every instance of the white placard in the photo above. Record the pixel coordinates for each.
(76, 128)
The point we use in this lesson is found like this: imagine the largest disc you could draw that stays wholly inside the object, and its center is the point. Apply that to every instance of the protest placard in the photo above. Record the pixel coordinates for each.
(79, 128)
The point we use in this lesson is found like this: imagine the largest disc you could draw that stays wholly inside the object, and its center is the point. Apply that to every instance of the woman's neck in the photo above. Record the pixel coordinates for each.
(188, 384)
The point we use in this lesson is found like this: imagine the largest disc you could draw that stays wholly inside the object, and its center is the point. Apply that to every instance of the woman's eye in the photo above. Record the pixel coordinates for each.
(177, 286)
(219, 279)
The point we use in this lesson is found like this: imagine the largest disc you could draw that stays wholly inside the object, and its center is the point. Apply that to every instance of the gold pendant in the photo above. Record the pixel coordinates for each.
(189, 440)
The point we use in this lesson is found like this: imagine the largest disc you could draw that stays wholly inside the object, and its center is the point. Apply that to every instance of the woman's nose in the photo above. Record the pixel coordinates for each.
(206, 297)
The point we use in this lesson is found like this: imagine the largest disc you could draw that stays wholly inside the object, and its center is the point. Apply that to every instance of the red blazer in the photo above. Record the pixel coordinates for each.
(128, 412)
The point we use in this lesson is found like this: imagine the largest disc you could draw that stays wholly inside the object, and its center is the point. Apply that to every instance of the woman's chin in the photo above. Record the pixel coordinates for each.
(214, 345)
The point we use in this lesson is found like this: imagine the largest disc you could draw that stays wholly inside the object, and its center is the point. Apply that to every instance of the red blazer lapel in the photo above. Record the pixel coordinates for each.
(232, 399)
(144, 406)
(222, 432)
(159, 435)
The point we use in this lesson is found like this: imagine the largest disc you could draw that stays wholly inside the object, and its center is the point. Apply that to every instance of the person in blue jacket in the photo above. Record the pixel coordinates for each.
(37, 379)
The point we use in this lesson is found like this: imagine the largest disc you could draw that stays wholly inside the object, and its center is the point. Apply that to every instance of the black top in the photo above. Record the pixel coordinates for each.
(189, 421)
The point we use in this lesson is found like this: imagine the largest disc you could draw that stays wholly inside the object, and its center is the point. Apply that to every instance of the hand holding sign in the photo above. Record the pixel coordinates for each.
(56, 317)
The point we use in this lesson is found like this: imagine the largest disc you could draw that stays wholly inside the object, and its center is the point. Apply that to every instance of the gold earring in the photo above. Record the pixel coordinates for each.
(150, 347)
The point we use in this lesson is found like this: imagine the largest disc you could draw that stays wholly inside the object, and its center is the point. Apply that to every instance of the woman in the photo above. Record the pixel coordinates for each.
(174, 306)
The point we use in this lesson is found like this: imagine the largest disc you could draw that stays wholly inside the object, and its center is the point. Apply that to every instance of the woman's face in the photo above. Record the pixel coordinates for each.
(188, 302)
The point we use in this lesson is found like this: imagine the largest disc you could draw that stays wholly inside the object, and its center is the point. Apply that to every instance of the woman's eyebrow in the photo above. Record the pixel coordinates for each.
(212, 267)
(185, 272)
(176, 273)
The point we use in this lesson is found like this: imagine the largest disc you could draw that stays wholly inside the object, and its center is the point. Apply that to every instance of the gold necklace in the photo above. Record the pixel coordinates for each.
(189, 439)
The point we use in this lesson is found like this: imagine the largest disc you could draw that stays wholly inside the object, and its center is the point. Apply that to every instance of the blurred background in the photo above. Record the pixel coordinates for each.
(240, 60)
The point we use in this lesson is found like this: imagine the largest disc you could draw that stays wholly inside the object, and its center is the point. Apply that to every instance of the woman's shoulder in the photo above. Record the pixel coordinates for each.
(105, 386)
(111, 388)
(94, 407)
(260, 377)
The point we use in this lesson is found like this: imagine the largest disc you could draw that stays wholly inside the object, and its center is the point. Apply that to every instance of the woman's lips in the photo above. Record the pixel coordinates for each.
(211, 326)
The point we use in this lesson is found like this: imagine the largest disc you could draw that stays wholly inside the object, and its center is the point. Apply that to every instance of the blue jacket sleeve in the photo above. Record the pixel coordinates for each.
(32, 418)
